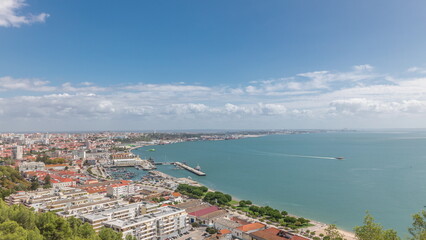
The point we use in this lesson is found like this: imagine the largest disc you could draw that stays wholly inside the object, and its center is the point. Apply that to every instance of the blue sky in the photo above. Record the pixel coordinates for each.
(113, 65)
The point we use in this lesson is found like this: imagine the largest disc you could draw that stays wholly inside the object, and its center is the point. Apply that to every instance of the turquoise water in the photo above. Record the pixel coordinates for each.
(383, 173)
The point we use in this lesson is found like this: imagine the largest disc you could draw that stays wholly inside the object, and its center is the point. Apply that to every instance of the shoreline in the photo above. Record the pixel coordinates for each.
(318, 227)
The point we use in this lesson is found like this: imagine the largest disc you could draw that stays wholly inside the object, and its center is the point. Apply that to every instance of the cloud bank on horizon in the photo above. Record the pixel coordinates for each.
(358, 98)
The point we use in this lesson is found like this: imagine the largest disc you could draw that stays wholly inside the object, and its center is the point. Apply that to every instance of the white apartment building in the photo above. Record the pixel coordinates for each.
(120, 190)
(31, 166)
(167, 222)
(97, 218)
(18, 152)
(77, 210)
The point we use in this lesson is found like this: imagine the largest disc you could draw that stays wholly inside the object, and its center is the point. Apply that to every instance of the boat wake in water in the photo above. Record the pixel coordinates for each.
(307, 156)
(303, 156)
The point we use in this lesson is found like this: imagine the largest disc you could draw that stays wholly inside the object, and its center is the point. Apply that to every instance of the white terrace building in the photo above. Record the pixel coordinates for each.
(167, 222)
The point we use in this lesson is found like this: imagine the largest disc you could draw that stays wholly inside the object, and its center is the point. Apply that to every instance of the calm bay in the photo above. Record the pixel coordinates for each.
(382, 172)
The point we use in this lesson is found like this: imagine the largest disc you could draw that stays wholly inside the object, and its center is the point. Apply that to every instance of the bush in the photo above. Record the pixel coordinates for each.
(211, 230)
(195, 224)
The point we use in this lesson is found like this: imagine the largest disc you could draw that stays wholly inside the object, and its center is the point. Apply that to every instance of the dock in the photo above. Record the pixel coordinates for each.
(193, 170)
(164, 163)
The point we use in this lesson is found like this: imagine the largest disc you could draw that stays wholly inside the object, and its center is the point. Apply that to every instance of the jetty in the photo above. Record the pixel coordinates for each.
(164, 163)
(193, 170)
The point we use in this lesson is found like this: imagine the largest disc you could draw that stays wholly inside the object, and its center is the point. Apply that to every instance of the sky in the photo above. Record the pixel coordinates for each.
(216, 64)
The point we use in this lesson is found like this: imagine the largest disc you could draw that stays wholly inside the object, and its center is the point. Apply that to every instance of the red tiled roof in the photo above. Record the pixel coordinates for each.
(56, 165)
(176, 194)
(204, 211)
(224, 231)
(251, 227)
(118, 185)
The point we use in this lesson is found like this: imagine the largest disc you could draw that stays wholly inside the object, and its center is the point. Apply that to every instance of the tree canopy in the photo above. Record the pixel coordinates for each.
(20, 223)
(372, 230)
(418, 230)
(217, 198)
(11, 181)
(192, 191)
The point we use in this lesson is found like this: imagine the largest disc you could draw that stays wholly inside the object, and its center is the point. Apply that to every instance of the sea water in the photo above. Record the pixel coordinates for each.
(382, 172)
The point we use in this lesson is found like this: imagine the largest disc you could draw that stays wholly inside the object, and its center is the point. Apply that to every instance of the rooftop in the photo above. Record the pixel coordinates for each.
(204, 211)
(276, 234)
(251, 227)
(163, 211)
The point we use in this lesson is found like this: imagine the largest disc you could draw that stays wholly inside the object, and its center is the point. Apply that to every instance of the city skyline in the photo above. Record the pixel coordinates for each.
(217, 65)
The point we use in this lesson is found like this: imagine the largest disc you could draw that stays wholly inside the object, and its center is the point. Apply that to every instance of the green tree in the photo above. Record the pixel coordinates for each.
(34, 183)
(47, 183)
(371, 230)
(12, 230)
(211, 230)
(333, 233)
(109, 234)
(130, 237)
(418, 229)
(217, 198)
(195, 224)
(53, 227)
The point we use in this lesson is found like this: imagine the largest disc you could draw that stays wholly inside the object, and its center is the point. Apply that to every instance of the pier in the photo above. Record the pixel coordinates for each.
(164, 163)
(193, 170)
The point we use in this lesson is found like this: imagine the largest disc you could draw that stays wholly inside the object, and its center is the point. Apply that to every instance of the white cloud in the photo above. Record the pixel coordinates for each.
(8, 83)
(317, 98)
(9, 16)
(417, 70)
(361, 105)
(165, 88)
(87, 87)
(364, 67)
(190, 108)
(255, 109)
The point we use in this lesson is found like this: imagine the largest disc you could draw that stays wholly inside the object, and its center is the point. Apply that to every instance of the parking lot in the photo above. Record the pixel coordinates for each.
(194, 235)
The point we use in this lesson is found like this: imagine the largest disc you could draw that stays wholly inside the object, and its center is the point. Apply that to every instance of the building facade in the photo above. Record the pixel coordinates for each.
(167, 222)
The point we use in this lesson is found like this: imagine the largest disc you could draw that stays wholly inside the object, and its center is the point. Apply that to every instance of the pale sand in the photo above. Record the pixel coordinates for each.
(319, 228)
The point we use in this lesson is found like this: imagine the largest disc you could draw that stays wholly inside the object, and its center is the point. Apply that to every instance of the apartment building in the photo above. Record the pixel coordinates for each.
(129, 211)
(86, 207)
(121, 189)
(31, 166)
(167, 222)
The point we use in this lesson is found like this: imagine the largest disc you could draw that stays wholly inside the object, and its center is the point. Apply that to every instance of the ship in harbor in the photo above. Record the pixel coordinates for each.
(198, 167)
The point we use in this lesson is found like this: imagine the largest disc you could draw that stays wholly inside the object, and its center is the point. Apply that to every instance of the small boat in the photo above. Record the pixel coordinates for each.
(198, 168)
(340, 158)
(151, 150)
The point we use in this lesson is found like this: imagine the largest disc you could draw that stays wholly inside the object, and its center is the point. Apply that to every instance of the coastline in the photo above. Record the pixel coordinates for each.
(318, 227)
